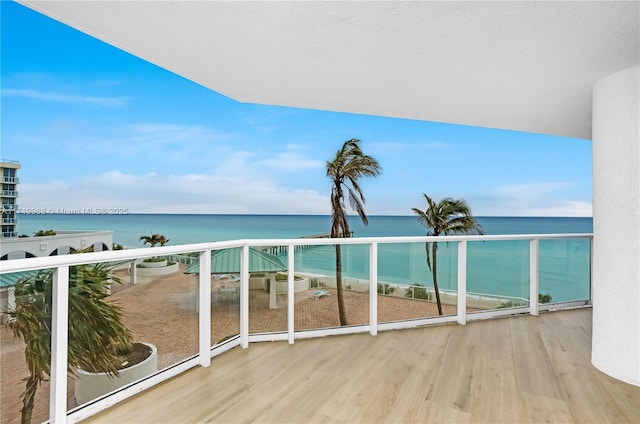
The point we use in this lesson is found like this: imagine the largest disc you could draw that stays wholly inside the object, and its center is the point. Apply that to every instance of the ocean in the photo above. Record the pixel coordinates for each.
(498, 268)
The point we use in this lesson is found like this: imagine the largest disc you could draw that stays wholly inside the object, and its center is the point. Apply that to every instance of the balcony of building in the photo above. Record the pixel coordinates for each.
(517, 369)
(192, 320)
(9, 193)
(10, 180)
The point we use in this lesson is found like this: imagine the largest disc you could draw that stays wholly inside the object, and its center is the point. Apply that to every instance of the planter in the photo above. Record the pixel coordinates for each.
(163, 270)
(154, 264)
(89, 385)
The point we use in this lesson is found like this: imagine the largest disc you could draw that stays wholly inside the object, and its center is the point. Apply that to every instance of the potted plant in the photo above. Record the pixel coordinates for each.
(133, 364)
(154, 240)
(96, 332)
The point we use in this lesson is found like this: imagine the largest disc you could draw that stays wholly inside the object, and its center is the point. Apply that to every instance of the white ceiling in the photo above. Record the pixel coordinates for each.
(526, 66)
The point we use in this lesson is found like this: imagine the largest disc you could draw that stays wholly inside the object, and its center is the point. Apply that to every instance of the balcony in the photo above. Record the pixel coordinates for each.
(348, 378)
(10, 180)
(9, 207)
(9, 234)
(521, 369)
(9, 221)
(9, 193)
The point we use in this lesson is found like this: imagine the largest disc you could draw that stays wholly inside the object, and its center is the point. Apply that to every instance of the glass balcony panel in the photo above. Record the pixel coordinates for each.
(13, 370)
(225, 292)
(406, 290)
(564, 270)
(317, 306)
(267, 289)
(497, 274)
(159, 304)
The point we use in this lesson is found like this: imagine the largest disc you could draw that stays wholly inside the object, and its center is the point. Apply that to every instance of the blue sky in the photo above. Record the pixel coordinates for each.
(94, 127)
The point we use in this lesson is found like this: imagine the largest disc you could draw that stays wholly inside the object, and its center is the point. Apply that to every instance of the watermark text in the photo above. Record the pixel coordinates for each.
(73, 211)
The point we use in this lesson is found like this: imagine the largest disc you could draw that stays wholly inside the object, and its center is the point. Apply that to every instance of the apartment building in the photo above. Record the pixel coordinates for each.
(9, 172)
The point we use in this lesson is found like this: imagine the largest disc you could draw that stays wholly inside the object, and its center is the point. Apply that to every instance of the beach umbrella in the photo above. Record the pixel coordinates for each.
(227, 261)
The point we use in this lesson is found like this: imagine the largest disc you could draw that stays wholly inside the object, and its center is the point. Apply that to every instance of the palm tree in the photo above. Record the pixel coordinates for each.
(349, 164)
(450, 216)
(96, 333)
(154, 239)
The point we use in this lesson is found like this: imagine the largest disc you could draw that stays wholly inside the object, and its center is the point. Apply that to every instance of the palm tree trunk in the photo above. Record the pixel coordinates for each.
(28, 399)
(341, 310)
(434, 256)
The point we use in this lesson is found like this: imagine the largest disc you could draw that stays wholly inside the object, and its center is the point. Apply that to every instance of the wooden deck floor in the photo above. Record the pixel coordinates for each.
(509, 370)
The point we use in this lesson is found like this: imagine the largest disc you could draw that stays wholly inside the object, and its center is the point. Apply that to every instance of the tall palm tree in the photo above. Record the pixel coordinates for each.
(96, 333)
(349, 164)
(450, 216)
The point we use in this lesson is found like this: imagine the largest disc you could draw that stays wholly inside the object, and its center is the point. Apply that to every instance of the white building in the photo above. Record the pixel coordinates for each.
(9, 196)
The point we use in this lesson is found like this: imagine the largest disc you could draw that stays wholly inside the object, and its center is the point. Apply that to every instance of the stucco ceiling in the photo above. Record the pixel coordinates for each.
(525, 66)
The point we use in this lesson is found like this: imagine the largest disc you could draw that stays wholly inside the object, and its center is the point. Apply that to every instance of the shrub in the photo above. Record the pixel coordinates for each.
(544, 298)
(41, 233)
(418, 292)
(154, 259)
(314, 283)
(284, 277)
(385, 288)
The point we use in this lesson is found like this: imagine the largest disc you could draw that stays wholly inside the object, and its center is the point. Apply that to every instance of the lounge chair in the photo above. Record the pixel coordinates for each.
(319, 293)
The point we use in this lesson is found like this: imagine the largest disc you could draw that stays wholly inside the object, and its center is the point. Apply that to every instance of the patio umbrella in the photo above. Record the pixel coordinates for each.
(227, 261)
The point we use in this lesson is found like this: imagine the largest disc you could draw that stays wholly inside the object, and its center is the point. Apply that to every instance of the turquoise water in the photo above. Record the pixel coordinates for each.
(494, 267)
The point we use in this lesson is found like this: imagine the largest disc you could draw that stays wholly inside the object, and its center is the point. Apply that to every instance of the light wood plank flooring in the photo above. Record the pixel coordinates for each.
(509, 370)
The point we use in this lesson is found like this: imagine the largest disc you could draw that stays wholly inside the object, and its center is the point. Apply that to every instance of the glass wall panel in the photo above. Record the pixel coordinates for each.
(14, 371)
(406, 289)
(158, 298)
(497, 274)
(317, 306)
(564, 270)
(268, 289)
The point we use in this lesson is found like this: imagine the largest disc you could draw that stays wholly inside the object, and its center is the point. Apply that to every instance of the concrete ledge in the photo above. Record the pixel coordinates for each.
(146, 272)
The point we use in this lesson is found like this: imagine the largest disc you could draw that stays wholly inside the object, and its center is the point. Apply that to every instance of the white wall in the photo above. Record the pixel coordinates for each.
(616, 226)
(44, 246)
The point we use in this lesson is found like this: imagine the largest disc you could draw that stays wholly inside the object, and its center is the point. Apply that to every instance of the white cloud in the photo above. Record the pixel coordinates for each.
(289, 161)
(190, 193)
(51, 96)
(530, 199)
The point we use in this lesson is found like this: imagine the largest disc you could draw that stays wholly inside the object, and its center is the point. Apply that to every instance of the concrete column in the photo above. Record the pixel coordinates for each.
(616, 226)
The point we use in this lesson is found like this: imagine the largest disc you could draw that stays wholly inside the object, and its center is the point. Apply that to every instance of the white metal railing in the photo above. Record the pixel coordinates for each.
(60, 265)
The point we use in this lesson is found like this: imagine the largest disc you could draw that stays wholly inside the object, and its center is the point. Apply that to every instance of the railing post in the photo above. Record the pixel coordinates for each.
(59, 341)
(533, 277)
(134, 272)
(290, 294)
(373, 289)
(462, 282)
(244, 297)
(204, 308)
